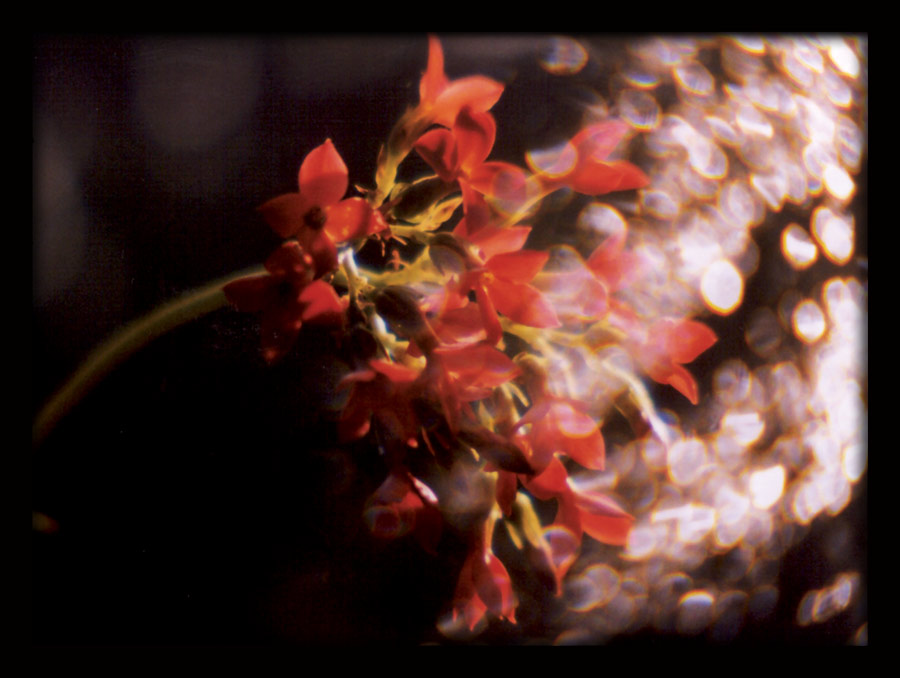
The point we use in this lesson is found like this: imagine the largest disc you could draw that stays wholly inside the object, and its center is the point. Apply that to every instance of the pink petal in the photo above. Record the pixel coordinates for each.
(323, 176)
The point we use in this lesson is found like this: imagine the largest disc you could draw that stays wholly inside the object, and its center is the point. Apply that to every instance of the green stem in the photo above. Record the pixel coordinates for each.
(126, 342)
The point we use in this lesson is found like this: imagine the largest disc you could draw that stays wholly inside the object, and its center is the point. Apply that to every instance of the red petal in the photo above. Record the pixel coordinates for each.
(507, 187)
(494, 586)
(477, 91)
(522, 303)
(551, 483)
(507, 487)
(476, 210)
(474, 133)
(438, 148)
(680, 379)
(433, 80)
(687, 339)
(321, 248)
(285, 213)
(493, 240)
(597, 141)
(323, 176)
(492, 327)
(322, 303)
(602, 518)
(395, 372)
(251, 294)
(519, 267)
(279, 328)
(291, 261)
(479, 366)
(349, 219)
(596, 178)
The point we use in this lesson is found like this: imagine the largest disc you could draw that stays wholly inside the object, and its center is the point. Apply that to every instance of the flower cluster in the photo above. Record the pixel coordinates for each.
(472, 433)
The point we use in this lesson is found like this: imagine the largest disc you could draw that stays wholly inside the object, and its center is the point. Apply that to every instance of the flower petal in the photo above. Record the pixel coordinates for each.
(493, 240)
(349, 219)
(523, 304)
(475, 134)
(251, 294)
(597, 141)
(323, 176)
(322, 304)
(285, 213)
(596, 178)
(519, 267)
(433, 81)
(438, 148)
(478, 92)
(687, 339)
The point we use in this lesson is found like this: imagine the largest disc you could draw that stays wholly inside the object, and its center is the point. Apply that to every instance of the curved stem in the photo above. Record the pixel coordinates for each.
(124, 343)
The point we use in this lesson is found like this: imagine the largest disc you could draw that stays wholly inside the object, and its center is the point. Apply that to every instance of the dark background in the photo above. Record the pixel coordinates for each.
(199, 496)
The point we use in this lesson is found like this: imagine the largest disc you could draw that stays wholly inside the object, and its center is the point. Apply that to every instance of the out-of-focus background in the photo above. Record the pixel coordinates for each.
(198, 497)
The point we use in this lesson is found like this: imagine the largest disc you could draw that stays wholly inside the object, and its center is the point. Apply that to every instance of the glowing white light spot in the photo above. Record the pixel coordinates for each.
(722, 287)
(767, 486)
(808, 321)
(798, 247)
(751, 121)
(844, 58)
(744, 427)
(837, 182)
(750, 44)
(834, 234)
(853, 462)
(687, 459)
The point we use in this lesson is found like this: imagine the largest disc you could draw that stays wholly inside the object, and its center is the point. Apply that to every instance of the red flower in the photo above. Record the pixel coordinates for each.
(287, 296)
(580, 510)
(665, 347)
(441, 99)
(581, 163)
(561, 425)
(384, 390)
(499, 271)
(404, 504)
(484, 585)
(456, 152)
(316, 215)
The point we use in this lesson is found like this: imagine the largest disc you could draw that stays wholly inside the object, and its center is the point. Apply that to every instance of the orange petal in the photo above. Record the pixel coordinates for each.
(396, 372)
(323, 176)
(680, 379)
(550, 483)
(285, 213)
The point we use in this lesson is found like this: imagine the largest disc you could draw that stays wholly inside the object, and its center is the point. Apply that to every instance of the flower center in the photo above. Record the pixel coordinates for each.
(314, 218)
